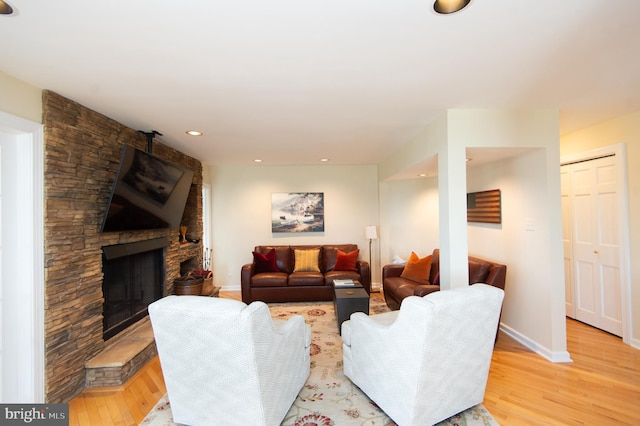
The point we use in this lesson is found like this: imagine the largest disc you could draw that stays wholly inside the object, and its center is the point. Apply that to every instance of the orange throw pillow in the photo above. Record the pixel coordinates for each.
(417, 269)
(346, 261)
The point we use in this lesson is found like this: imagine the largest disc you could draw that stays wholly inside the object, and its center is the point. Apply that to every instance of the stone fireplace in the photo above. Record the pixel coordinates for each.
(82, 151)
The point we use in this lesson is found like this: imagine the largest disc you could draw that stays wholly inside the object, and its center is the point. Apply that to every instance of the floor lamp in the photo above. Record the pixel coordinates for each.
(371, 233)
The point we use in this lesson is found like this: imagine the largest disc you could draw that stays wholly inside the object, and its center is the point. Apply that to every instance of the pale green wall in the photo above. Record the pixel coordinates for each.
(242, 210)
(626, 130)
(20, 99)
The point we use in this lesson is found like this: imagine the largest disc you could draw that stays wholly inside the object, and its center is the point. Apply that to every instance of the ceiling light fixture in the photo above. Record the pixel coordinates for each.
(449, 6)
(191, 132)
(257, 160)
(5, 9)
(324, 160)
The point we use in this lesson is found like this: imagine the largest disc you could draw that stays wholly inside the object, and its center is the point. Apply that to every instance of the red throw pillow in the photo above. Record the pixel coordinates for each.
(417, 269)
(346, 261)
(265, 263)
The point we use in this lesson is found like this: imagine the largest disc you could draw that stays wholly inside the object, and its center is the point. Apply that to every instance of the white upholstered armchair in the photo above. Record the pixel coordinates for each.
(225, 362)
(429, 360)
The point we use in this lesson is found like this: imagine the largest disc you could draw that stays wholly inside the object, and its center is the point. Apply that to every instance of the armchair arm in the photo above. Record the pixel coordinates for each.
(365, 274)
(245, 282)
(284, 327)
(392, 270)
(425, 289)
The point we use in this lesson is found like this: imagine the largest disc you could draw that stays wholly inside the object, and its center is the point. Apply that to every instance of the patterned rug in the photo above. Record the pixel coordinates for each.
(328, 398)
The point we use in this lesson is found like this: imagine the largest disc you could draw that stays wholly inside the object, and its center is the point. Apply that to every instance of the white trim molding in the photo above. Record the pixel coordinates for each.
(27, 172)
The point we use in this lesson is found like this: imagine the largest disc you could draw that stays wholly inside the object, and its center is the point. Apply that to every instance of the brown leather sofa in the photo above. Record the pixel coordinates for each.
(397, 288)
(288, 286)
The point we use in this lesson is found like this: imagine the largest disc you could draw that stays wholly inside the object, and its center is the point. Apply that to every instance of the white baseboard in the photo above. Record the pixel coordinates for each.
(553, 356)
(229, 287)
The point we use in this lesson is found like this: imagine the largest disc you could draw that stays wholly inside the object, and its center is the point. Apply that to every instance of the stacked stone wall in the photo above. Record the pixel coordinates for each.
(82, 152)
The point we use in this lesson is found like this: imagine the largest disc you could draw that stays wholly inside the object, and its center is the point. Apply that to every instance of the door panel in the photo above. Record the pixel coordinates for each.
(595, 243)
(567, 232)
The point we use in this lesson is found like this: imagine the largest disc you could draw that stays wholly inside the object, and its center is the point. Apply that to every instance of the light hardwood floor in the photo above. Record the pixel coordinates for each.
(600, 387)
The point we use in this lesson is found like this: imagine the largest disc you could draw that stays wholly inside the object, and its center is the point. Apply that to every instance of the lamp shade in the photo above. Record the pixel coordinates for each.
(371, 232)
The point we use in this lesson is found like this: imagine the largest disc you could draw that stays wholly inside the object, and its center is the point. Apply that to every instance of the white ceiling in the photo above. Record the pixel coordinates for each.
(293, 81)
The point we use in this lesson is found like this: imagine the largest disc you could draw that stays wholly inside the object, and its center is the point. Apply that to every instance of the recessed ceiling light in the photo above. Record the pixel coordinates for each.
(5, 9)
(324, 160)
(422, 175)
(449, 6)
(257, 160)
(194, 133)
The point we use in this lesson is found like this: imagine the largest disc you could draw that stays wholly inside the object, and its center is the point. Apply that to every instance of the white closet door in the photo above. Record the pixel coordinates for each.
(595, 246)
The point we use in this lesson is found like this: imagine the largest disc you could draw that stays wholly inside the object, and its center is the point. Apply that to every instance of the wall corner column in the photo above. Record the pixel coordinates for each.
(452, 187)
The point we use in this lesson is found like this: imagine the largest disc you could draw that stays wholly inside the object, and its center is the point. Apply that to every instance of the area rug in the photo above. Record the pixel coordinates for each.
(328, 398)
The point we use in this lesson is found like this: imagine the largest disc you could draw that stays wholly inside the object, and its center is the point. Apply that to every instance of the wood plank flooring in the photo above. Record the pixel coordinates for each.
(600, 387)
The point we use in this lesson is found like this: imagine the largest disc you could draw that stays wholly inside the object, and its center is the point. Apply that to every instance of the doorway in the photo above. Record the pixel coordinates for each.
(595, 230)
(22, 371)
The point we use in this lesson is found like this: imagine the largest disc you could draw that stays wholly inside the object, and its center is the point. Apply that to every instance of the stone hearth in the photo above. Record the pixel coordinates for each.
(124, 356)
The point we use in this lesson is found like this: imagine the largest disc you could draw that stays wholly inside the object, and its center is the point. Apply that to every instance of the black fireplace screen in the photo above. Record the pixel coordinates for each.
(131, 282)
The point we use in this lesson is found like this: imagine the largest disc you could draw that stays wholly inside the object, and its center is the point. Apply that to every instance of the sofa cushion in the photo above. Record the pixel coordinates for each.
(346, 261)
(306, 260)
(269, 279)
(265, 262)
(417, 269)
(306, 279)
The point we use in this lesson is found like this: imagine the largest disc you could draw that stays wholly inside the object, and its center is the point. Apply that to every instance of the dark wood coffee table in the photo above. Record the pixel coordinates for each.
(347, 300)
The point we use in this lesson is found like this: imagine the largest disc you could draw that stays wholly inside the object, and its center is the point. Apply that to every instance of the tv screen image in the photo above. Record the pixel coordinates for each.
(148, 193)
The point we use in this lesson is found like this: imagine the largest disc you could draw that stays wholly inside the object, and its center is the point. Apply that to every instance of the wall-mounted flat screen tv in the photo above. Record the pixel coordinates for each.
(148, 193)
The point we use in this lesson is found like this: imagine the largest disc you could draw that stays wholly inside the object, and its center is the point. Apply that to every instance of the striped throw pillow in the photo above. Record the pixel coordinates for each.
(306, 260)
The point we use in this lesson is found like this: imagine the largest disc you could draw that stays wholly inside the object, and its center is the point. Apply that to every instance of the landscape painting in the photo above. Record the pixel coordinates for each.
(297, 212)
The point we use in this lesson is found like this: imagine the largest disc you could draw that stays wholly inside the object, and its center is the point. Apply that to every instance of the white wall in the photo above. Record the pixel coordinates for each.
(242, 211)
(520, 242)
(409, 214)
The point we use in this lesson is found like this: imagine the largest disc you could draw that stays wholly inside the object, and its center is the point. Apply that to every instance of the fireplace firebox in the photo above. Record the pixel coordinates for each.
(133, 279)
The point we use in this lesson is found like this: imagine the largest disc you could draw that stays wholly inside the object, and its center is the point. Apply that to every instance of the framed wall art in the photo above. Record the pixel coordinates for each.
(297, 212)
(484, 207)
